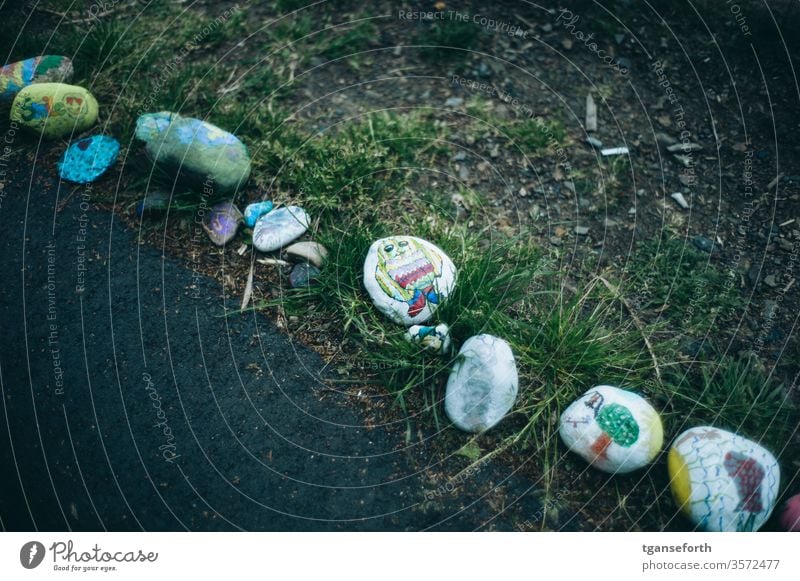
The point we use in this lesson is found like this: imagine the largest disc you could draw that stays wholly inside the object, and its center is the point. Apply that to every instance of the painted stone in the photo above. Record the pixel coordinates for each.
(41, 69)
(201, 153)
(722, 481)
(221, 222)
(279, 227)
(483, 385)
(87, 159)
(312, 252)
(303, 274)
(153, 203)
(407, 278)
(790, 517)
(254, 211)
(614, 430)
(433, 338)
(54, 109)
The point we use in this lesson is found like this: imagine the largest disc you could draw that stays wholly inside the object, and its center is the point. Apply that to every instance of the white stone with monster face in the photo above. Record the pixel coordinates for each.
(722, 481)
(612, 429)
(407, 278)
(483, 385)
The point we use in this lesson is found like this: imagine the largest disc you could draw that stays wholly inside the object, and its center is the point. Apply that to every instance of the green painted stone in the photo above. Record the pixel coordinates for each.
(201, 153)
(54, 109)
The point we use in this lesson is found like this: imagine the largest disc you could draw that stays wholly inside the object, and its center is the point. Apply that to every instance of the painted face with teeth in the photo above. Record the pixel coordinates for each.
(407, 271)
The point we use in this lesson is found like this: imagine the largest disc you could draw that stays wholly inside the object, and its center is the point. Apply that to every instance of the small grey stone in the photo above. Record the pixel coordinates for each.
(665, 140)
(303, 274)
(680, 200)
(581, 230)
(703, 243)
(555, 241)
(594, 142)
(460, 156)
(770, 281)
(684, 147)
(624, 63)
(454, 102)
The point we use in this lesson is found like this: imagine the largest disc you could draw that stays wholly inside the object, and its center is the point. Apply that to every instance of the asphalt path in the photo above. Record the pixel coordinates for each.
(133, 399)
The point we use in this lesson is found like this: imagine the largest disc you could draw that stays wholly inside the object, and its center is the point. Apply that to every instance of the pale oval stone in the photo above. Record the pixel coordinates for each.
(483, 385)
(407, 278)
(279, 228)
(312, 252)
(41, 69)
(614, 430)
(54, 109)
(201, 153)
(722, 481)
(432, 338)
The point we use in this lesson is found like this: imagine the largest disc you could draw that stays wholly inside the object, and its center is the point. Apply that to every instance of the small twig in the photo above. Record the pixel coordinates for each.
(525, 22)
(636, 321)
(62, 204)
(248, 289)
(775, 181)
(273, 261)
(63, 15)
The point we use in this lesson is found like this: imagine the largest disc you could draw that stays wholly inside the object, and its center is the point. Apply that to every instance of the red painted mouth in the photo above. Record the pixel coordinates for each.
(408, 279)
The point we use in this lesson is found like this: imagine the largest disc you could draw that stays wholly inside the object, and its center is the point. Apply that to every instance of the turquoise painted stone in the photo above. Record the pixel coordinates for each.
(201, 153)
(87, 159)
(222, 222)
(41, 69)
(254, 211)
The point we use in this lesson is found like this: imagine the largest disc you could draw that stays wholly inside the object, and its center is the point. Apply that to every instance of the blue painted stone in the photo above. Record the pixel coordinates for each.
(221, 223)
(254, 211)
(303, 275)
(154, 203)
(87, 159)
(201, 153)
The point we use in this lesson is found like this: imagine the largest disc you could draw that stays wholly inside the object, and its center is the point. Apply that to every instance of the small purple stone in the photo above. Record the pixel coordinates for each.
(221, 222)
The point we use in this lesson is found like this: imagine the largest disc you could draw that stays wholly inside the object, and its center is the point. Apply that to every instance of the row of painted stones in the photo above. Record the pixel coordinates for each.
(198, 153)
(721, 480)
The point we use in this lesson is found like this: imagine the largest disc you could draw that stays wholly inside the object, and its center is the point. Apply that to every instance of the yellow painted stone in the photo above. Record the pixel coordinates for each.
(679, 480)
(54, 109)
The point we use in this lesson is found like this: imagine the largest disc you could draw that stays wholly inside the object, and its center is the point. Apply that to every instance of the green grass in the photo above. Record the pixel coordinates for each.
(351, 167)
(681, 283)
(447, 39)
(734, 393)
(528, 135)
